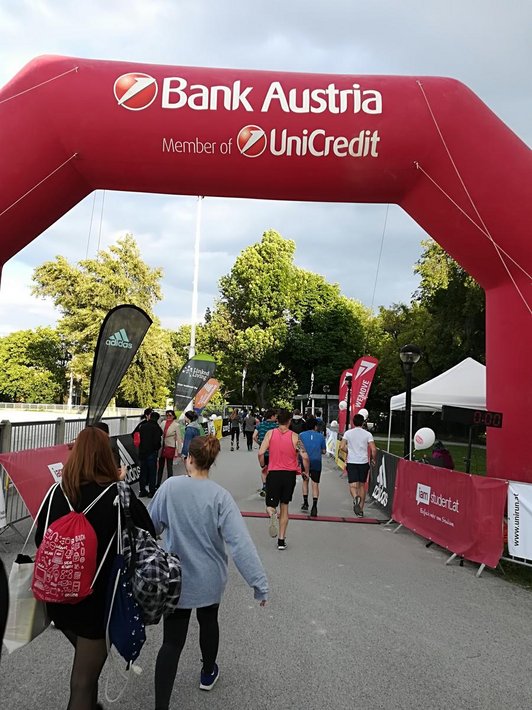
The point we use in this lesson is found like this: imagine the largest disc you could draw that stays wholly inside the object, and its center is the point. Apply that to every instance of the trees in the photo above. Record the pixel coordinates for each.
(280, 322)
(85, 292)
(33, 366)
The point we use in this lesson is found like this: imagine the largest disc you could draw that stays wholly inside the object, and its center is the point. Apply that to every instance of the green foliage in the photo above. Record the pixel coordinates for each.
(32, 366)
(279, 322)
(86, 292)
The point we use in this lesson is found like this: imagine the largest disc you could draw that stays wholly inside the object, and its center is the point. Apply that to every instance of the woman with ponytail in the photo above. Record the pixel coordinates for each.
(199, 518)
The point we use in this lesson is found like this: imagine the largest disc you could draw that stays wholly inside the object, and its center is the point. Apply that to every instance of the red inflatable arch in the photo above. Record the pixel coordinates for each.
(71, 126)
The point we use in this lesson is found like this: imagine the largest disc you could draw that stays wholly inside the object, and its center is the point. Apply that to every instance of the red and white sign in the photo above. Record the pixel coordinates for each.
(460, 512)
(362, 372)
(33, 472)
(205, 394)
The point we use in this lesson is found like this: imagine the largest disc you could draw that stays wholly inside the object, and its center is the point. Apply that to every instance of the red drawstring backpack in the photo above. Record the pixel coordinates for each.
(65, 563)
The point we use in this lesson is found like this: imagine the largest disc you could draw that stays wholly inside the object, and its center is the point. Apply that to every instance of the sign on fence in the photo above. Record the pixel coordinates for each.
(460, 512)
(33, 472)
(520, 520)
(382, 480)
(3, 519)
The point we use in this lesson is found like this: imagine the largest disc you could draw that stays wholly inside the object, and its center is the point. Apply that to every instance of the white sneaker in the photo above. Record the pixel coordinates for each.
(274, 526)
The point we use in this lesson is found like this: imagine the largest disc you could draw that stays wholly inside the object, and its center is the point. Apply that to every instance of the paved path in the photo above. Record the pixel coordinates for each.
(358, 618)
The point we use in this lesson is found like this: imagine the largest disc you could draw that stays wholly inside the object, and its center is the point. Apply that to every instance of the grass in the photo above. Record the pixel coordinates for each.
(458, 452)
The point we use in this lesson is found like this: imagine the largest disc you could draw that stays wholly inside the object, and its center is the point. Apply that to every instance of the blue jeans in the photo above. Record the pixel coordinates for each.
(148, 472)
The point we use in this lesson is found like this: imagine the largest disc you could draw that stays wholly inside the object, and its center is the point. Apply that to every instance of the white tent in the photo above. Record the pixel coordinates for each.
(463, 385)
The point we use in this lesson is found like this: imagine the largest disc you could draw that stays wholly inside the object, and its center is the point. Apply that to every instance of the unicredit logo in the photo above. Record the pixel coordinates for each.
(252, 141)
(135, 91)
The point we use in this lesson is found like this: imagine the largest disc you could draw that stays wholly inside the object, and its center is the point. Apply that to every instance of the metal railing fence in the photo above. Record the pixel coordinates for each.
(21, 436)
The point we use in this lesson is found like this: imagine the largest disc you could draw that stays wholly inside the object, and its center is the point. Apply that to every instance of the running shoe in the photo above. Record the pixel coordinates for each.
(314, 511)
(281, 544)
(356, 506)
(208, 680)
(274, 526)
(304, 506)
(262, 492)
(232, 447)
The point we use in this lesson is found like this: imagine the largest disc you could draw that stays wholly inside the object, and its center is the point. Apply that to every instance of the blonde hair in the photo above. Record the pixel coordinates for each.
(91, 460)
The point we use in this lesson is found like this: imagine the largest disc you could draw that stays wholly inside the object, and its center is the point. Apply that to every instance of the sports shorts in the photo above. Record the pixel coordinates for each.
(357, 472)
(315, 475)
(280, 487)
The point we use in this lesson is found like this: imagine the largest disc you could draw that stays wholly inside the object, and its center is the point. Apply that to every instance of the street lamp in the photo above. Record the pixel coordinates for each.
(326, 390)
(349, 381)
(409, 355)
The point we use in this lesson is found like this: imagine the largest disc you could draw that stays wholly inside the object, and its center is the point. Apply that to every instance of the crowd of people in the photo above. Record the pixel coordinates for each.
(197, 518)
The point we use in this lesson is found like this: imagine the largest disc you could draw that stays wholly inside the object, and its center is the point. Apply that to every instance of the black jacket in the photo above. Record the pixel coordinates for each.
(150, 438)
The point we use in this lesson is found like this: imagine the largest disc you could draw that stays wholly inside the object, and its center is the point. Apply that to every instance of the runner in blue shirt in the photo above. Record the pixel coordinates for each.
(314, 443)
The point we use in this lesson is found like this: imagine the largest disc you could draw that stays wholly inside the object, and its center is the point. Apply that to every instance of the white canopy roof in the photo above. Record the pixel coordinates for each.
(464, 385)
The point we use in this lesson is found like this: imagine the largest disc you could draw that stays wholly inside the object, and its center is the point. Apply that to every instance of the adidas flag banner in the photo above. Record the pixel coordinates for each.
(121, 335)
(193, 375)
(382, 481)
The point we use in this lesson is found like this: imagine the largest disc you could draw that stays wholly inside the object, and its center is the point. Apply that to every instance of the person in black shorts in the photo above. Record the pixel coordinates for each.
(360, 448)
(284, 446)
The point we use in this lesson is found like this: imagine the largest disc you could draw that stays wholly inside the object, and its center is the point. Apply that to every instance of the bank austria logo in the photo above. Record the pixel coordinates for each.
(252, 141)
(119, 340)
(135, 91)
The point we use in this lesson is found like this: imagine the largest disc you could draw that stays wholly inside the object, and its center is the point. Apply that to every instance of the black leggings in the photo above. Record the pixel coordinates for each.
(175, 630)
(169, 469)
(249, 437)
(89, 659)
(235, 431)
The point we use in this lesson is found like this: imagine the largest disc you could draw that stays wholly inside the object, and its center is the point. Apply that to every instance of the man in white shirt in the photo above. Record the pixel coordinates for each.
(360, 448)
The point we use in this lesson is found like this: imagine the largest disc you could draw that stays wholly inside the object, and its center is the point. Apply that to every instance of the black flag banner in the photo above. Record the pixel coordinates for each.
(382, 481)
(121, 335)
(193, 375)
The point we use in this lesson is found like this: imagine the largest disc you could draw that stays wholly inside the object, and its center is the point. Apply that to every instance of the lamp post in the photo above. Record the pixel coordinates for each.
(326, 390)
(409, 355)
(349, 381)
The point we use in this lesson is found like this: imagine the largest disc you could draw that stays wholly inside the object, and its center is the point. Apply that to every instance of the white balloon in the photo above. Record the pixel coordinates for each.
(213, 417)
(364, 413)
(333, 424)
(342, 406)
(424, 438)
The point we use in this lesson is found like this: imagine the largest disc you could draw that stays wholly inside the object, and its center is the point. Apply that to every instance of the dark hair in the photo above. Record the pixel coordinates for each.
(270, 413)
(147, 412)
(154, 416)
(312, 423)
(191, 416)
(204, 450)
(170, 411)
(358, 420)
(283, 416)
(102, 425)
(297, 411)
(318, 412)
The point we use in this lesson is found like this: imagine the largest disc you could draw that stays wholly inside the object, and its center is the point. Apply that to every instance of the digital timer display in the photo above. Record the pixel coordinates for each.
(472, 416)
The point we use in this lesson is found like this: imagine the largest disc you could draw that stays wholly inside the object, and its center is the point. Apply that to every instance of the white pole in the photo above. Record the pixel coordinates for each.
(70, 390)
(192, 348)
(389, 428)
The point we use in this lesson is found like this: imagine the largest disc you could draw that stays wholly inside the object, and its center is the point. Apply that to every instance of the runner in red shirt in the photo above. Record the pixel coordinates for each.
(283, 447)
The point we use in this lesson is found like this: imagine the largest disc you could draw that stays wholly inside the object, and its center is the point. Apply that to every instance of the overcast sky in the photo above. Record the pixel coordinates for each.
(484, 43)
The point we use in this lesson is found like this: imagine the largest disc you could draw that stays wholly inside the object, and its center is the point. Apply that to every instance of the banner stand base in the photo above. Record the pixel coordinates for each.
(397, 528)
(454, 556)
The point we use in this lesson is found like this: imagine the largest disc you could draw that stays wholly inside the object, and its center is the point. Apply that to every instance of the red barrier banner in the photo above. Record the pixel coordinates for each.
(33, 472)
(460, 512)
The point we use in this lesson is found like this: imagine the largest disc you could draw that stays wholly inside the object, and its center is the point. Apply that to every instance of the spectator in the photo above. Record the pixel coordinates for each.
(200, 518)
(442, 456)
(193, 429)
(269, 422)
(171, 442)
(89, 470)
(150, 443)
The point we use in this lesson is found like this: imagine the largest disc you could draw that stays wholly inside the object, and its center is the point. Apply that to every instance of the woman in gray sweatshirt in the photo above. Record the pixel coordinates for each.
(199, 518)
